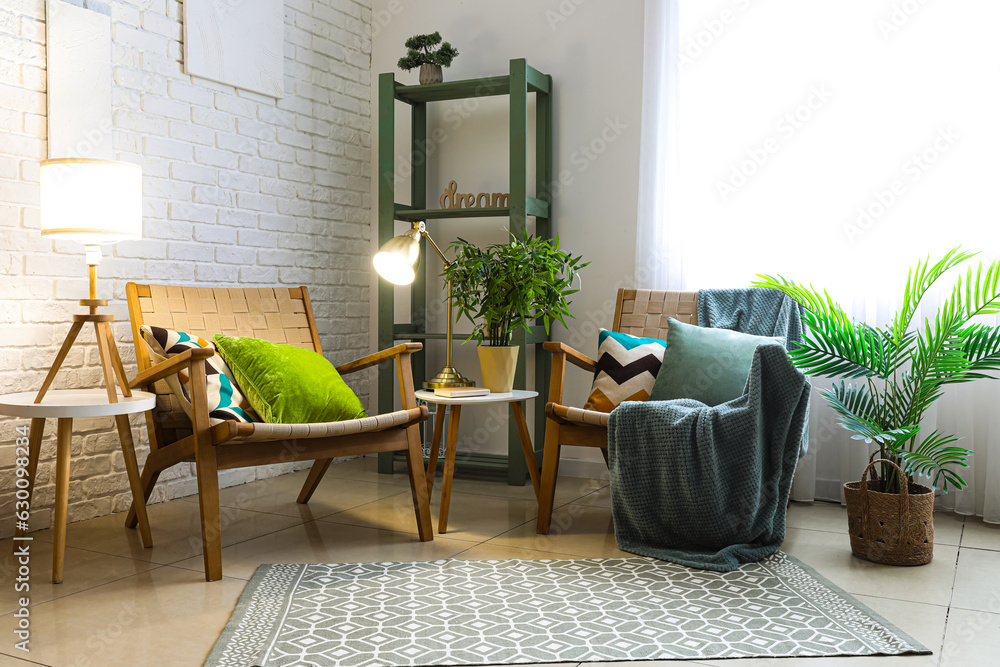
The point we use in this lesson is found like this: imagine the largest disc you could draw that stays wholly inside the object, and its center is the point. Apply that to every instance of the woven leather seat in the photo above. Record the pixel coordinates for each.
(570, 415)
(279, 315)
(261, 431)
(642, 313)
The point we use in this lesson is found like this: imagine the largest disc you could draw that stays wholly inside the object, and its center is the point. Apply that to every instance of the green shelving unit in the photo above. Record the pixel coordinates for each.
(522, 81)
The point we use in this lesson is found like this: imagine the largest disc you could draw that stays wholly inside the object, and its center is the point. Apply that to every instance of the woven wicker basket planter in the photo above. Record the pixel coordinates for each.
(890, 528)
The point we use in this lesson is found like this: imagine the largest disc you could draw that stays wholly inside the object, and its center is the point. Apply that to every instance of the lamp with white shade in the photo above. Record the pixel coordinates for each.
(92, 202)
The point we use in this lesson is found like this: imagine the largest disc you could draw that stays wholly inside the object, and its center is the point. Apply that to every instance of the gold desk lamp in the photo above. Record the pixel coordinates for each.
(394, 262)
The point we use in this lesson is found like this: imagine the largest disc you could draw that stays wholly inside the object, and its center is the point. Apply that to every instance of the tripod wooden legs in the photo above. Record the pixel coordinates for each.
(111, 363)
(63, 438)
(114, 378)
(74, 331)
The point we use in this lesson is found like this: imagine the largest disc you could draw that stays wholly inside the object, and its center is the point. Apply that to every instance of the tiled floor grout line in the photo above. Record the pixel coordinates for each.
(882, 597)
(951, 599)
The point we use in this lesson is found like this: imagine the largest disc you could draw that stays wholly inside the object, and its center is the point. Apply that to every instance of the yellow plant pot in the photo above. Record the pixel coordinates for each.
(498, 365)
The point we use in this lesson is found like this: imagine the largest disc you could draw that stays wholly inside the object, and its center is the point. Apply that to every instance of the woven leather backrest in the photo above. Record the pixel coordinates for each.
(277, 314)
(644, 313)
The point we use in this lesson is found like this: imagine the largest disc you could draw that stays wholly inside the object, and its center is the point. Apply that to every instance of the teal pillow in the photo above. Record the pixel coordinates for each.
(287, 384)
(708, 365)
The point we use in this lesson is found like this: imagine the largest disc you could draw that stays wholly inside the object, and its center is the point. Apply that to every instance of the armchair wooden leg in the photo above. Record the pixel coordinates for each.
(418, 484)
(134, 481)
(208, 501)
(550, 470)
(604, 451)
(313, 480)
(207, 469)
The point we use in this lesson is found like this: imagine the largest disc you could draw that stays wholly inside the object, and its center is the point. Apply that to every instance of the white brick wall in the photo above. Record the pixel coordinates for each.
(239, 189)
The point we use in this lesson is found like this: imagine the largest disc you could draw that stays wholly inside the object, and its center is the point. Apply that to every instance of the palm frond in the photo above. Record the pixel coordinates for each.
(931, 458)
(865, 427)
(907, 397)
(832, 345)
(918, 281)
(983, 296)
(981, 349)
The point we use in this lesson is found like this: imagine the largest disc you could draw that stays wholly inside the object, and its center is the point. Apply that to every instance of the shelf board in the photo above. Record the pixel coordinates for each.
(534, 207)
(408, 332)
(412, 214)
(454, 90)
(417, 335)
(477, 460)
(489, 86)
(537, 207)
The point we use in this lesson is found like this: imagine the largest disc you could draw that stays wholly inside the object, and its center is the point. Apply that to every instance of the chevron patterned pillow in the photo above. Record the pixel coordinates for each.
(225, 401)
(626, 369)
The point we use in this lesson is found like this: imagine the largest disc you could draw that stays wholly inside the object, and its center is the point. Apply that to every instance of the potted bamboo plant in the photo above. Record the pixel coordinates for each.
(893, 374)
(505, 287)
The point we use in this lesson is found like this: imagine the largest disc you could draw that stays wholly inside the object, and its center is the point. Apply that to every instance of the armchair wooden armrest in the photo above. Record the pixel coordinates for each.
(169, 367)
(574, 357)
(561, 353)
(401, 354)
(379, 357)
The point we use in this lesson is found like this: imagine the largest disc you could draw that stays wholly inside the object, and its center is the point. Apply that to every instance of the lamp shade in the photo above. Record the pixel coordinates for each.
(91, 201)
(397, 257)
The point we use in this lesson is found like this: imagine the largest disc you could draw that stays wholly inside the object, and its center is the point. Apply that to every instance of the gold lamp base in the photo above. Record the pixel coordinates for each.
(448, 377)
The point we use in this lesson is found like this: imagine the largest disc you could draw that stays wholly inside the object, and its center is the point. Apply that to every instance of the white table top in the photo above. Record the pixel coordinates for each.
(68, 403)
(515, 396)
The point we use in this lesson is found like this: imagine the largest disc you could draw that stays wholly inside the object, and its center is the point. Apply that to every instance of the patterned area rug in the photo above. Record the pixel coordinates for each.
(455, 612)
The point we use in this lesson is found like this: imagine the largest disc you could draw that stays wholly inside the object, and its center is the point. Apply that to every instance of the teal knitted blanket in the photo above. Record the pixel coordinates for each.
(707, 487)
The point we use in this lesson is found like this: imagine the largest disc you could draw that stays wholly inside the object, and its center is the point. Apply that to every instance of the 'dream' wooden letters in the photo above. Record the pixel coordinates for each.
(454, 199)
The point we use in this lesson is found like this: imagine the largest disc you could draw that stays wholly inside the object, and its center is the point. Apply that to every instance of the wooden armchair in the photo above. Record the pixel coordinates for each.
(280, 315)
(641, 313)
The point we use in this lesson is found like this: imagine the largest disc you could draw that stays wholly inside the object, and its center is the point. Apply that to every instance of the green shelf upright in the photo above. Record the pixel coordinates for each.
(522, 81)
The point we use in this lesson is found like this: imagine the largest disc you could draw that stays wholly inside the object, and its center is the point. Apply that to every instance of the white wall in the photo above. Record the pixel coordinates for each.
(593, 50)
(239, 189)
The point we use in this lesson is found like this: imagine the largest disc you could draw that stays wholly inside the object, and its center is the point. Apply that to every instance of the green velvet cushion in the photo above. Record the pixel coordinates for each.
(287, 384)
(708, 365)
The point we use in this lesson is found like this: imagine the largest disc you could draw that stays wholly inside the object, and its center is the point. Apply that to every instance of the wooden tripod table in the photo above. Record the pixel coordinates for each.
(65, 405)
(516, 398)
(117, 400)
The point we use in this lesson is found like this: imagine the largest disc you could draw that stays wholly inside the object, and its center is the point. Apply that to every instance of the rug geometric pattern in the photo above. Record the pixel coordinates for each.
(455, 612)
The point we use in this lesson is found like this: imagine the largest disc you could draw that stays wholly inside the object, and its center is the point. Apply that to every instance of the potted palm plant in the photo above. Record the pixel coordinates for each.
(894, 373)
(505, 287)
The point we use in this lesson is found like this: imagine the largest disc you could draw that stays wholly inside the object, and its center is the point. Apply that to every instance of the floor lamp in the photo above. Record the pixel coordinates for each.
(394, 262)
(92, 202)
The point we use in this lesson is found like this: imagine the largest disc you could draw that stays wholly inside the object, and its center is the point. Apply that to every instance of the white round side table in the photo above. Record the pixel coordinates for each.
(516, 399)
(65, 405)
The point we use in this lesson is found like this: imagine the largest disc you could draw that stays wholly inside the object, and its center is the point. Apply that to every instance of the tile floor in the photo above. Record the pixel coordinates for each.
(121, 604)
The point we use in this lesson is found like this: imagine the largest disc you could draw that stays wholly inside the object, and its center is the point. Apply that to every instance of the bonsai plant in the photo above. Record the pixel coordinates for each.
(420, 53)
(894, 374)
(504, 287)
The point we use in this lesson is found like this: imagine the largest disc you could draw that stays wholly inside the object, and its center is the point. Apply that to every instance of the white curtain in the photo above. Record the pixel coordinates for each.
(835, 144)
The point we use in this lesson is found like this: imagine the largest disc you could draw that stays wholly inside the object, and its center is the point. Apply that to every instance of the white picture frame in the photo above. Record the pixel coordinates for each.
(78, 62)
(240, 43)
